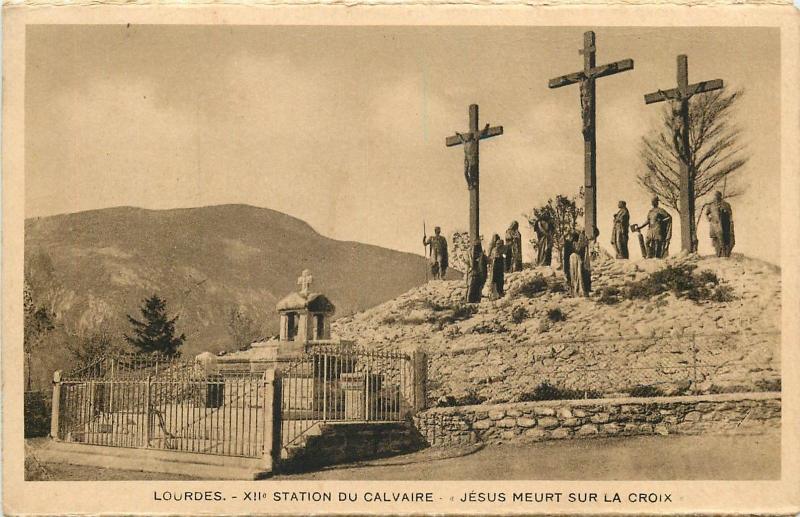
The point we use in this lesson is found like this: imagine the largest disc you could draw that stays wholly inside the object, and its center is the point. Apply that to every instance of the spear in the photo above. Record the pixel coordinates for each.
(425, 247)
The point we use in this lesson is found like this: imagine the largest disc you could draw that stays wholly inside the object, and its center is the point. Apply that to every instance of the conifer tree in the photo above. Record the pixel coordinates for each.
(155, 333)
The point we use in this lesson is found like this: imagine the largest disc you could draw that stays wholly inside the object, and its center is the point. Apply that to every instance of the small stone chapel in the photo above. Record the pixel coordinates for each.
(305, 321)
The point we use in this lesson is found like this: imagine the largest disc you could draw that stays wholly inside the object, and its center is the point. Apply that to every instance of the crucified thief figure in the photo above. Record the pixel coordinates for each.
(470, 141)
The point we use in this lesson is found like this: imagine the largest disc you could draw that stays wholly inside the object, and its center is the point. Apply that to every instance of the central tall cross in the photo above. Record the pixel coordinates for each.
(586, 78)
(470, 141)
(681, 96)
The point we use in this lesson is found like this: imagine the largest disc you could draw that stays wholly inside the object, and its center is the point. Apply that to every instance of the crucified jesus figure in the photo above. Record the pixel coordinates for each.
(470, 141)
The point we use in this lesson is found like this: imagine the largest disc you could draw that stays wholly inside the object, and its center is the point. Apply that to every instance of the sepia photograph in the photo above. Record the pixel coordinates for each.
(280, 253)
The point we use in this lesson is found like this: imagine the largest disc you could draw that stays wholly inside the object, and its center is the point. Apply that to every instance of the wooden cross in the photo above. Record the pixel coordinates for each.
(586, 78)
(681, 95)
(305, 281)
(470, 141)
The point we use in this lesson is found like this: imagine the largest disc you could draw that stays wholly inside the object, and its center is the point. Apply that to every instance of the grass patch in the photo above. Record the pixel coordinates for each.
(768, 384)
(533, 286)
(556, 285)
(547, 391)
(459, 312)
(680, 280)
(646, 391)
(609, 295)
(519, 314)
(471, 398)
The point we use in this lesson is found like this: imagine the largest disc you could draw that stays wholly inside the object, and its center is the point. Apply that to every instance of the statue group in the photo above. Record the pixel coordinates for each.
(505, 256)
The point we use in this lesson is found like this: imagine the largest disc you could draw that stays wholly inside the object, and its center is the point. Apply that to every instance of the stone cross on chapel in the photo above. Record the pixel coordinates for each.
(681, 96)
(470, 141)
(586, 78)
(304, 281)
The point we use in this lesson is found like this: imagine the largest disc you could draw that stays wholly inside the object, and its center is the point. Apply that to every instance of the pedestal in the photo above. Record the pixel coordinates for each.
(354, 387)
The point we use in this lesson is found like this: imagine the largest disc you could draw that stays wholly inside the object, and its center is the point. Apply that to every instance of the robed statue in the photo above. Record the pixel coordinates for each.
(619, 235)
(720, 221)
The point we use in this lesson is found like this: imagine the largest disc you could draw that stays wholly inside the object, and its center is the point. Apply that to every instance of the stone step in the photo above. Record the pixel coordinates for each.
(342, 442)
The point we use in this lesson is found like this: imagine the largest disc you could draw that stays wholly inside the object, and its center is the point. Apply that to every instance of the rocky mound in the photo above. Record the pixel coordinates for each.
(539, 337)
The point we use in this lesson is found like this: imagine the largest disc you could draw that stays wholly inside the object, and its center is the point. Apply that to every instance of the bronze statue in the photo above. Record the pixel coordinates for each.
(476, 274)
(660, 232)
(619, 236)
(497, 265)
(544, 229)
(513, 248)
(566, 250)
(720, 221)
(580, 279)
(438, 253)
(470, 141)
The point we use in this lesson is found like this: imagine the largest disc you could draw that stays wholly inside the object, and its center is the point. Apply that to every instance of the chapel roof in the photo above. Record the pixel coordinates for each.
(312, 302)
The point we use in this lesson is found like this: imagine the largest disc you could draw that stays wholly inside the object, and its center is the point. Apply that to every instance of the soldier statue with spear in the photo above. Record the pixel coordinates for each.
(437, 252)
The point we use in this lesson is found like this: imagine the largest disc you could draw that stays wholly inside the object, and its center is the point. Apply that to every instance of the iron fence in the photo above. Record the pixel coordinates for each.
(331, 384)
(157, 403)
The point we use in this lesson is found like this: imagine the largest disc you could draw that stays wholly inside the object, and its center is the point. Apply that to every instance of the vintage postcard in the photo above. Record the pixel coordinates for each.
(400, 259)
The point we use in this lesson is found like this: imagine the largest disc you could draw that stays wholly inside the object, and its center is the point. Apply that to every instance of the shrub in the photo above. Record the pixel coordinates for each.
(470, 398)
(555, 314)
(519, 314)
(533, 286)
(461, 312)
(609, 295)
(646, 391)
(435, 306)
(556, 286)
(715, 389)
(769, 384)
(37, 414)
(34, 470)
(546, 391)
(680, 280)
(707, 277)
(723, 293)
(450, 313)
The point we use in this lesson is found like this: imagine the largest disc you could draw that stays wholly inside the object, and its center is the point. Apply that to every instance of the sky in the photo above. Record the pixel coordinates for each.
(344, 127)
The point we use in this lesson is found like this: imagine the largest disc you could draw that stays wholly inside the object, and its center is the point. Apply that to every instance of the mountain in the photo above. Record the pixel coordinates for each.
(657, 342)
(92, 268)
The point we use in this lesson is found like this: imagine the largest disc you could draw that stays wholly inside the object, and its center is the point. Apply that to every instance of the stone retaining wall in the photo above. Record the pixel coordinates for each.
(733, 413)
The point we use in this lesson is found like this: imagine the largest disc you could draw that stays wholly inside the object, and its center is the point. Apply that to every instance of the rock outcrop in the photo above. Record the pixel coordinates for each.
(502, 350)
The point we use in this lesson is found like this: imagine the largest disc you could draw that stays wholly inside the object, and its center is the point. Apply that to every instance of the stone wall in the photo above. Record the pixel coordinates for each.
(350, 442)
(733, 413)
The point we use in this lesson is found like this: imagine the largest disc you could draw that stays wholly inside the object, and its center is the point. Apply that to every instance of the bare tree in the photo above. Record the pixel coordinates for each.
(461, 254)
(564, 212)
(243, 328)
(37, 323)
(93, 345)
(715, 152)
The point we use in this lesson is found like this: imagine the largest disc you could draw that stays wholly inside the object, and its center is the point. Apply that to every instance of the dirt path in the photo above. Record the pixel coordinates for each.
(647, 457)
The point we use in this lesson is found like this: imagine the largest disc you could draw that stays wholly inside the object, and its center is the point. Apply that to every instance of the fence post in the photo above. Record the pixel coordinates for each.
(147, 411)
(271, 446)
(694, 365)
(56, 405)
(419, 377)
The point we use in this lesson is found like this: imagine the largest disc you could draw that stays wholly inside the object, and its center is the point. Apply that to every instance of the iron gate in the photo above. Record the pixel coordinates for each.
(335, 384)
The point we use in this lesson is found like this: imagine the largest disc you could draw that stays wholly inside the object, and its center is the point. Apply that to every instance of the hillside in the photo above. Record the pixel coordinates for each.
(508, 347)
(92, 268)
